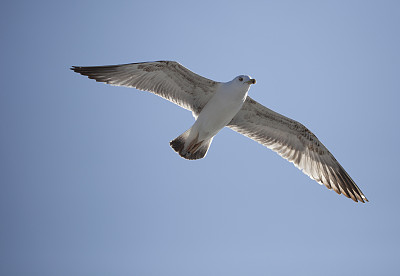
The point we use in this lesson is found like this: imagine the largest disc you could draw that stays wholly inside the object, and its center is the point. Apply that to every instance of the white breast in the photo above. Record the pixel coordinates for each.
(220, 110)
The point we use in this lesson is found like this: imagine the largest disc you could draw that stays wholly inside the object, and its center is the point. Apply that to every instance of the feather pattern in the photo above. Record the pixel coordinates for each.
(295, 143)
(167, 79)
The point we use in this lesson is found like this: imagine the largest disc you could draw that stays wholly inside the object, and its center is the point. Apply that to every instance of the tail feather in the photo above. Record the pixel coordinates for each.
(179, 142)
(191, 150)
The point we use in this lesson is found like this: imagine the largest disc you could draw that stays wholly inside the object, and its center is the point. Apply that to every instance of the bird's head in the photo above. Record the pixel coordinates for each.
(246, 80)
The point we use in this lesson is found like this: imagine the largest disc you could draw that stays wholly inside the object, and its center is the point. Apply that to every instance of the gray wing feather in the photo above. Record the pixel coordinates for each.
(167, 79)
(297, 144)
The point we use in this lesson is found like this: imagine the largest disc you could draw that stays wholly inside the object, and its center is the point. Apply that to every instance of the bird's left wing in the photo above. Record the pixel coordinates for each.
(295, 143)
(167, 79)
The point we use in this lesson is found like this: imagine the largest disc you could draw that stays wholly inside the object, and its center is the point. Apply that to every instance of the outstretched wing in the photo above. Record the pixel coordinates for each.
(167, 79)
(295, 143)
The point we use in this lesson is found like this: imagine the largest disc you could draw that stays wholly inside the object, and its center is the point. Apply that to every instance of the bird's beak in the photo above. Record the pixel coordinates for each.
(252, 81)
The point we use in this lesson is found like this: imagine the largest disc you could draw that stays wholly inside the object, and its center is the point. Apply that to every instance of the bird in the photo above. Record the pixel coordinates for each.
(216, 105)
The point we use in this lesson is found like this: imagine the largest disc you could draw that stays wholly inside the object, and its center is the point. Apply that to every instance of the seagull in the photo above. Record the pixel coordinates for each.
(218, 104)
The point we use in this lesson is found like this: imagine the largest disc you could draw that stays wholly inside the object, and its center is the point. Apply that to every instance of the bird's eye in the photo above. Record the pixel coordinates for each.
(240, 79)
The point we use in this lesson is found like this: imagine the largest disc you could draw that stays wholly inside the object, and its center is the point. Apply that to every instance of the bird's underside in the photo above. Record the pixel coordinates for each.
(288, 138)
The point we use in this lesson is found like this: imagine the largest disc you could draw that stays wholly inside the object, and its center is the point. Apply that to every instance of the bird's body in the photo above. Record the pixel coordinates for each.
(221, 108)
(218, 104)
(216, 114)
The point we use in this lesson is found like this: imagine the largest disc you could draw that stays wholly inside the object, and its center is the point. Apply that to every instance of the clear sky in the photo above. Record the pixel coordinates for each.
(90, 185)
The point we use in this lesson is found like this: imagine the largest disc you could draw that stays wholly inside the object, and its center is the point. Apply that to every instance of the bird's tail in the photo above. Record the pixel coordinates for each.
(191, 149)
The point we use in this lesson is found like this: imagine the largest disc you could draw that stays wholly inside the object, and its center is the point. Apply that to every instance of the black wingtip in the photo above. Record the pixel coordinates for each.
(74, 68)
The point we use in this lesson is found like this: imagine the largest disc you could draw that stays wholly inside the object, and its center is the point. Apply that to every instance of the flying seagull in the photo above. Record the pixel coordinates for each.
(218, 104)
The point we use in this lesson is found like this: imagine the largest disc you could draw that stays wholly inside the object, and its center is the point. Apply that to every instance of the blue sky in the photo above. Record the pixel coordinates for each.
(90, 185)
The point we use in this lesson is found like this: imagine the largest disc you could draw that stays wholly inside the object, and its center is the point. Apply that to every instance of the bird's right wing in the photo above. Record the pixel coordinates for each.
(297, 144)
(167, 79)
